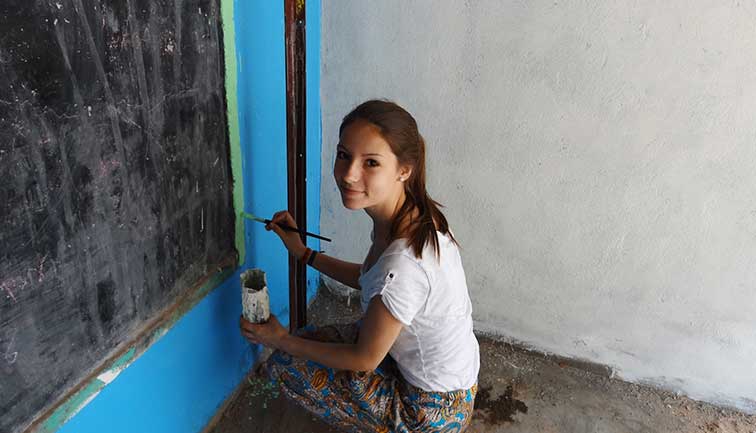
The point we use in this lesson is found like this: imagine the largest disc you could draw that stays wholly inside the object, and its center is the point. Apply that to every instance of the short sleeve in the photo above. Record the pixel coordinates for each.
(405, 288)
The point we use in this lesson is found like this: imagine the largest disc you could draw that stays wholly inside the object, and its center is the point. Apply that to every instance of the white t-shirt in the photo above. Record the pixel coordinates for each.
(436, 349)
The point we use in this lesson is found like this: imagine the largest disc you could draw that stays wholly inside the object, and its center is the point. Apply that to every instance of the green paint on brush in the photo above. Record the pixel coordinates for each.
(232, 116)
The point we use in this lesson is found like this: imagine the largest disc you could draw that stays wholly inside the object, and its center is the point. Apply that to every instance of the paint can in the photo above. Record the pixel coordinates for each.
(254, 295)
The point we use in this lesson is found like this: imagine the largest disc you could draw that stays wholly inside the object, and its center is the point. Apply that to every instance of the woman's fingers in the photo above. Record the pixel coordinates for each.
(245, 325)
(250, 337)
(246, 331)
(276, 228)
(284, 217)
(281, 218)
(275, 220)
(288, 219)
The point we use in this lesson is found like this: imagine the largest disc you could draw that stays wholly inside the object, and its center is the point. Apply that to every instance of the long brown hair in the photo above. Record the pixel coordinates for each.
(399, 129)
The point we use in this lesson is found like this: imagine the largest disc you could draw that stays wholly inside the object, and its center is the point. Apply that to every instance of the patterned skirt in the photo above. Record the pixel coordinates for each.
(368, 401)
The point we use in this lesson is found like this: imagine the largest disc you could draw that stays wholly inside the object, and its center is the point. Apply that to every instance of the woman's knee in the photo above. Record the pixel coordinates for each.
(277, 363)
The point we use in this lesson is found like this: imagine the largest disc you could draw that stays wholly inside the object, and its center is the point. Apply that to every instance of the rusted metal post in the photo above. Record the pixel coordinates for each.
(294, 11)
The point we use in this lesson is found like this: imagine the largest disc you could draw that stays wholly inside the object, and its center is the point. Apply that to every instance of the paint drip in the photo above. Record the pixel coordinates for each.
(254, 294)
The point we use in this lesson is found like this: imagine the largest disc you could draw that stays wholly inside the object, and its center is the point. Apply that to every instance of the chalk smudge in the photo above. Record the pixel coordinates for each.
(108, 166)
(10, 356)
(40, 269)
(13, 285)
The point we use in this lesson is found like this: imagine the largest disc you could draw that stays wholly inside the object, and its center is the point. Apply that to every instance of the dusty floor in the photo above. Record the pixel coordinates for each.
(519, 392)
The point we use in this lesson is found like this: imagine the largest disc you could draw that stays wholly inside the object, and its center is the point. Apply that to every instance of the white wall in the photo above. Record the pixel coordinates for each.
(598, 163)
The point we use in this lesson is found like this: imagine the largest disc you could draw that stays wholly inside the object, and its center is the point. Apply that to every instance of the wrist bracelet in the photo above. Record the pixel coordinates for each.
(306, 255)
(311, 259)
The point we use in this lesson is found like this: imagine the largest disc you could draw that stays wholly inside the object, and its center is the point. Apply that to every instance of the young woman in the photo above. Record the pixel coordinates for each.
(411, 363)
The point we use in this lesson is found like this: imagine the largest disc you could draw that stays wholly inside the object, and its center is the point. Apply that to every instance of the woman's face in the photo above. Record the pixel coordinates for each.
(366, 170)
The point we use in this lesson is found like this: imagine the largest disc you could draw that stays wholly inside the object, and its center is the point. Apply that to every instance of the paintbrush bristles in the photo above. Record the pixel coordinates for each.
(252, 217)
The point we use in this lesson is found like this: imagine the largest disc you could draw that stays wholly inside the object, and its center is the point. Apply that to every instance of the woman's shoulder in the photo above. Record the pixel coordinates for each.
(402, 247)
(399, 253)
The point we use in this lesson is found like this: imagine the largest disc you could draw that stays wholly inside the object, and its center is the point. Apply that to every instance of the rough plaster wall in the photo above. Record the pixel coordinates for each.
(598, 163)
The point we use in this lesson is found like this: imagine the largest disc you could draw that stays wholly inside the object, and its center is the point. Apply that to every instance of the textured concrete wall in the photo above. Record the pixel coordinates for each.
(598, 163)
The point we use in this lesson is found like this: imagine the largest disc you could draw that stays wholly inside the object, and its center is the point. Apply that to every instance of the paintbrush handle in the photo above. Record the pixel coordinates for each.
(292, 229)
(284, 226)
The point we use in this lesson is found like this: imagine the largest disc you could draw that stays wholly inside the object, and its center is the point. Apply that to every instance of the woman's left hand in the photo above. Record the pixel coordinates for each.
(270, 333)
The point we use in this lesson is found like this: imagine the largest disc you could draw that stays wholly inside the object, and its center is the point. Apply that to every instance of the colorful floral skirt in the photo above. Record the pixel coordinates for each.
(369, 401)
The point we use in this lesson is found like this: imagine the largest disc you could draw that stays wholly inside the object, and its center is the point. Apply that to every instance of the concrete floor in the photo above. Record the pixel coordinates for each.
(520, 391)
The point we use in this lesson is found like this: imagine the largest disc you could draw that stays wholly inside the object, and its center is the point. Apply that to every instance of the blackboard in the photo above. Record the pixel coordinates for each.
(115, 180)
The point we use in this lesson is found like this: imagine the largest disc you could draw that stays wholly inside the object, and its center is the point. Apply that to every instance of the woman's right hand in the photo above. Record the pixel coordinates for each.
(292, 240)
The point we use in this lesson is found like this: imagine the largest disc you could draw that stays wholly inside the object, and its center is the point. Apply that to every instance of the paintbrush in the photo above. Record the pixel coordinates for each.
(283, 226)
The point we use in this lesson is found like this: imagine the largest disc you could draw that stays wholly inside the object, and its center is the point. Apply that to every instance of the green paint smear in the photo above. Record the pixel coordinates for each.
(70, 407)
(121, 362)
(232, 116)
(76, 402)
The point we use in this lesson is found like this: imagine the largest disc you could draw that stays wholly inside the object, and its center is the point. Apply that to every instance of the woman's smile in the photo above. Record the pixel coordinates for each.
(351, 192)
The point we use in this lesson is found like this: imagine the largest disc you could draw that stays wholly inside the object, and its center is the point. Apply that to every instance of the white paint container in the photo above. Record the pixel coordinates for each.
(254, 295)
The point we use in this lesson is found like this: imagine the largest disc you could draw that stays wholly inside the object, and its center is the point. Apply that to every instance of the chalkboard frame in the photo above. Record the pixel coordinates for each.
(186, 291)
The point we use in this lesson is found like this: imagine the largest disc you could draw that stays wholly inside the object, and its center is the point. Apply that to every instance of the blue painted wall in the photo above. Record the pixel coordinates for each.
(262, 115)
(178, 384)
(262, 123)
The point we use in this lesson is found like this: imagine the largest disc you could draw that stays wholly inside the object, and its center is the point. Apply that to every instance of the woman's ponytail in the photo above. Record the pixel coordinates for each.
(420, 230)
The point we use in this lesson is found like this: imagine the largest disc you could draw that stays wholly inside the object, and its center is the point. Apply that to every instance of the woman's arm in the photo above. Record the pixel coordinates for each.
(341, 271)
(377, 334)
(344, 272)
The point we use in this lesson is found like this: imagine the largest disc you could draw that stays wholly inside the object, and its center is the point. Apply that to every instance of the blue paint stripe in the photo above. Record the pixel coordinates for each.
(262, 113)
